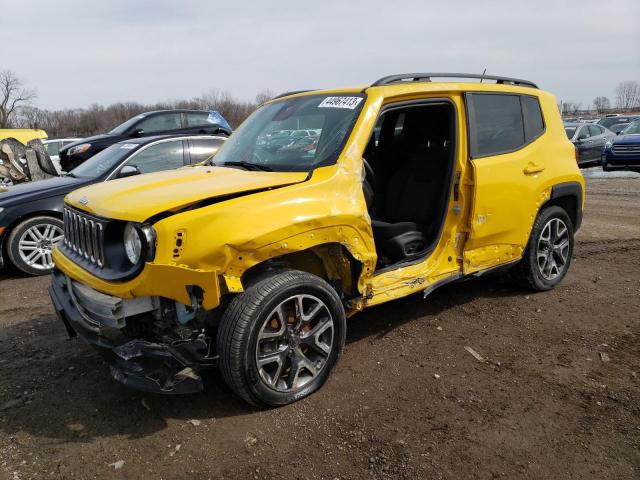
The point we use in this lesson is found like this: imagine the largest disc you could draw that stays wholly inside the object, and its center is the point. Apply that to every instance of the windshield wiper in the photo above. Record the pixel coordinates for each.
(248, 166)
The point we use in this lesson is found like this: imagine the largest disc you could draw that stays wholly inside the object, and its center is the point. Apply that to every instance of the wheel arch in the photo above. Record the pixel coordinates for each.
(23, 218)
(330, 261)
(567, 196)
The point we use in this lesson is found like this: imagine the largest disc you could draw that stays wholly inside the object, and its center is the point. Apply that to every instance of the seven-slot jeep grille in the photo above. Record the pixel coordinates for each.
(84, 236)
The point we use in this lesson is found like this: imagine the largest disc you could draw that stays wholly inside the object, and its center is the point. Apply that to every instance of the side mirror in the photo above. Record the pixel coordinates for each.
(138, 132)
(129, 171)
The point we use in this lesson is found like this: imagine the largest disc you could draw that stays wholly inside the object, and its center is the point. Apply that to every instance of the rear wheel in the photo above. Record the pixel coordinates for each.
(547, 257)
(279, 340)
(30, 244)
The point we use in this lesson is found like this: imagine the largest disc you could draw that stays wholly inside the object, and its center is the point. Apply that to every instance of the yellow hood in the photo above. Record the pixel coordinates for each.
(138, 198)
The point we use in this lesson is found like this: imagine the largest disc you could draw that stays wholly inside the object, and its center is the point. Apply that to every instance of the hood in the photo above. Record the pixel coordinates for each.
(31, 191)
(139, 198)
(633, 139)
(92, 139)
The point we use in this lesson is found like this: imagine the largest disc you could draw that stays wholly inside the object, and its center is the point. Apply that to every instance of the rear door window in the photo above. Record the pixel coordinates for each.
(495, 124)
(502, 123)
(160, 122)
(197, 119)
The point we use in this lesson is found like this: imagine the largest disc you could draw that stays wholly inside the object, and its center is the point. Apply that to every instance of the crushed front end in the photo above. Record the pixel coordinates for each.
(151, 343)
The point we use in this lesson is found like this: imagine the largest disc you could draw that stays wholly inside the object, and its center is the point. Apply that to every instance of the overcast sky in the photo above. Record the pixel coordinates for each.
(75, 53)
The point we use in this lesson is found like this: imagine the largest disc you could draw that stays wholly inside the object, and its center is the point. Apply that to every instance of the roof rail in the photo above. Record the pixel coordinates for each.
(426, 77)
(286, 94)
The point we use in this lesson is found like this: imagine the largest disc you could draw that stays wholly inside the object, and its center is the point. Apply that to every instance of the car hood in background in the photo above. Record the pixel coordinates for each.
(139, 198)
(92, 139)
(633, 139)
(31, 191)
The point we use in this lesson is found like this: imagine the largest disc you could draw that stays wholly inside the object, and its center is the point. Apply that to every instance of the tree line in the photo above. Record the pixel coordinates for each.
(18, 111)
(626, 99)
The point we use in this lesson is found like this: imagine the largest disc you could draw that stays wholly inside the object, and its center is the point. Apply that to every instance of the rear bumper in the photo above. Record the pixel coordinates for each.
(143, 363)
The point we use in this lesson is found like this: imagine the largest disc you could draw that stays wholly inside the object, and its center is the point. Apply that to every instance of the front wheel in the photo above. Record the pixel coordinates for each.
(31, 242)
(279, 340)
(547, 257)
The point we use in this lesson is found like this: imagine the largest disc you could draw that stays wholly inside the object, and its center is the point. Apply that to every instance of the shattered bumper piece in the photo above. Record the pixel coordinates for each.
(142, 364)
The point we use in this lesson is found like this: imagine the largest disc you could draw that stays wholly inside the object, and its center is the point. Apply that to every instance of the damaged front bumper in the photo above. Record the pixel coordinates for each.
(155, 360)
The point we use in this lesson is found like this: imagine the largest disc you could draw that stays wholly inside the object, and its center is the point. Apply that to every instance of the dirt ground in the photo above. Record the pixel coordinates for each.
(558, 396)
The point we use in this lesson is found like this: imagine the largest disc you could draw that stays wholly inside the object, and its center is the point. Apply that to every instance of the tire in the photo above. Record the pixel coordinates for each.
(262, 338)
(30, 243)
(547, 257)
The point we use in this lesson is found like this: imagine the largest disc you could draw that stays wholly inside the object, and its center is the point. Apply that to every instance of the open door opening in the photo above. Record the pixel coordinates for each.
(408, 175)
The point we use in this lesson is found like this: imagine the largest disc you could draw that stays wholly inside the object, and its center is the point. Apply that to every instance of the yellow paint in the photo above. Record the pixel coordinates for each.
(306, 217)
(23, 135)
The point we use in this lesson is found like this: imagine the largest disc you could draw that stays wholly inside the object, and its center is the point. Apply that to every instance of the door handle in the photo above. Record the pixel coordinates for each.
(533, 168)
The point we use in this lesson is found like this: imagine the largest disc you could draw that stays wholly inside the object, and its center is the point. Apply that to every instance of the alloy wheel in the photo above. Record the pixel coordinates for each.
(553, 249)
(36, 244)
(294, 343)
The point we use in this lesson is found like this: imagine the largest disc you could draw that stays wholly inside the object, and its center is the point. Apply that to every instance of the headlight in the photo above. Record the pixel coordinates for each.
(79, 149)
(607, 145)
(132, 243)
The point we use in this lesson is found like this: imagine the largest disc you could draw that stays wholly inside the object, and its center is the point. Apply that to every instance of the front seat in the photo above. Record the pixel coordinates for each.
(399, 236)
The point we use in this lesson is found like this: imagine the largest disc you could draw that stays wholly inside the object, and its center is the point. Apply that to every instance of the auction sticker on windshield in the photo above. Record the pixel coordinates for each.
(340, 102)
(129, 146)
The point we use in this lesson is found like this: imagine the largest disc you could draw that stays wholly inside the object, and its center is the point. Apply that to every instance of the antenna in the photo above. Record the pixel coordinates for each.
(482, 76)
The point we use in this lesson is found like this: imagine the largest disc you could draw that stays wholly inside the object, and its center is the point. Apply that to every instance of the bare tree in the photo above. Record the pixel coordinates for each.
(628, 95)
(13, 95)
(264, 96)
(601, 104)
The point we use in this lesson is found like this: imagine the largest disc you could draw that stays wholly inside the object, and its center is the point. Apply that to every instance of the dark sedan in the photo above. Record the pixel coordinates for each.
(589, 139)
(31, 213)
(144, 125)
(623, 152)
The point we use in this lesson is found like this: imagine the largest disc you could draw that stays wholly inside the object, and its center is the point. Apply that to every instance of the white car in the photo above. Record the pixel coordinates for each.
(53, 146)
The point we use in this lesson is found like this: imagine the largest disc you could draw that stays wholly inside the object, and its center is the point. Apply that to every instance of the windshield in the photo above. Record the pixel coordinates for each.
(570, 131)
(632, 129)
(608, 122)
(104, 161)
(123, 127)
(266, 138)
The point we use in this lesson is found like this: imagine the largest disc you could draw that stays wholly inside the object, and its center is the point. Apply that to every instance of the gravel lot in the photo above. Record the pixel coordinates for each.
(557, 395)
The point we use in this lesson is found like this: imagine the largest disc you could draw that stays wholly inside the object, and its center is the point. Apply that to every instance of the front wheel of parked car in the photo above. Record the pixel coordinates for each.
(31, 242)
(547, 257)
(279, 340)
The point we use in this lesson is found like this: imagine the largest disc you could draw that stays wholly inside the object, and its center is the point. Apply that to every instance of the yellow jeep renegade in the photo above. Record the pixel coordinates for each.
(321, 204)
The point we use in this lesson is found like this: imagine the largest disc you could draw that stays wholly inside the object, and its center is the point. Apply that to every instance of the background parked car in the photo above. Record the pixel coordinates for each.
(589, 139)
(53, 147)
(623, 151)
(145, 124)
(31, 213)
(609, 121)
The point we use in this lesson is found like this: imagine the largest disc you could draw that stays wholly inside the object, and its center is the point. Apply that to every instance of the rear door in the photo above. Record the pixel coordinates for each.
(505, 137)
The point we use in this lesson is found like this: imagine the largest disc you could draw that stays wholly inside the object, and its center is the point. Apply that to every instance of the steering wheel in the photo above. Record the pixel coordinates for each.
(369, 175)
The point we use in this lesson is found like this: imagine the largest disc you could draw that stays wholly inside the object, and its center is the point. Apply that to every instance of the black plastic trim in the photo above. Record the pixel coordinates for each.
(570, 189)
